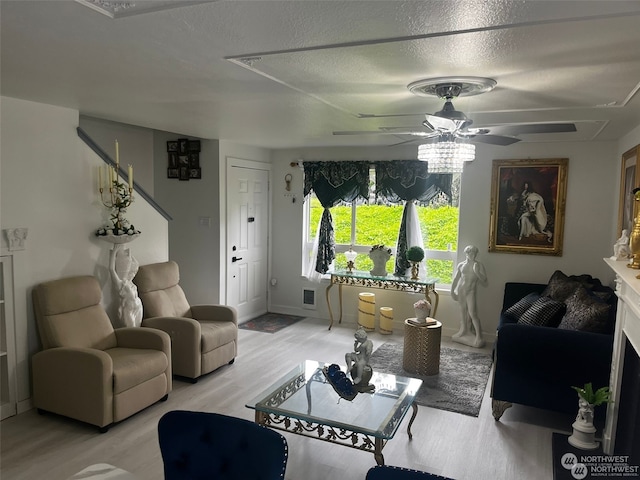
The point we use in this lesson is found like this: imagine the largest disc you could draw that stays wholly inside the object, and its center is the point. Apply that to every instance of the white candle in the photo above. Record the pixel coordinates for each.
(99, 178)
(131, 177)
(117, 154)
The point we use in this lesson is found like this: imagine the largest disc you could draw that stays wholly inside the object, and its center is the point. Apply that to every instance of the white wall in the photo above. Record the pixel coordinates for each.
(193, 206)
(48, 185)
(628, 141)
(135, 146)
(593, 173)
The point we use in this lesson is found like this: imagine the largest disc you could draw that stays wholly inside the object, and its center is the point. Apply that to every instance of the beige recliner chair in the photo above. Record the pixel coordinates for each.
(88, 370)
(203, 337)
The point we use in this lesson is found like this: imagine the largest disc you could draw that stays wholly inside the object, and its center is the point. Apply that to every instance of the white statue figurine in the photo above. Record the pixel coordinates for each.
(621, 249)
(16, 238)
(468, 274)
(359, 358)
(380, 256)
(123, 267)
(585, 412)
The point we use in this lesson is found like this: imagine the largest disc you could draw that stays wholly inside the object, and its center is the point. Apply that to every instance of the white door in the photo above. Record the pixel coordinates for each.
(247, 224)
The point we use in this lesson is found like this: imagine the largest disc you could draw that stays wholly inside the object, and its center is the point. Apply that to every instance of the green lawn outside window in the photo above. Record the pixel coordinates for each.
(379, 224)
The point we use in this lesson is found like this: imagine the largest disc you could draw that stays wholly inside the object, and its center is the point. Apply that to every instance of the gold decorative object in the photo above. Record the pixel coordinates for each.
(415, 255)
(634, 243)
(120, 196)
(415, 270)
(351, 257)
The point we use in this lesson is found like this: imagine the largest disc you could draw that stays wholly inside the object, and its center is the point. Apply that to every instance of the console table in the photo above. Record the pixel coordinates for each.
(359, 278)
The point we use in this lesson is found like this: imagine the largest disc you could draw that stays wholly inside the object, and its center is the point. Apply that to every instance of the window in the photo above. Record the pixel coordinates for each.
(364, 223)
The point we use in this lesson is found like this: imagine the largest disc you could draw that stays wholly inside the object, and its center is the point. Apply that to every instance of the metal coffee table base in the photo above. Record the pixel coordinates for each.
(331, 434)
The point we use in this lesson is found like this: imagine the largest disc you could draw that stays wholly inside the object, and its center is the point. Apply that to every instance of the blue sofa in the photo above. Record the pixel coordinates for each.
(537, 365)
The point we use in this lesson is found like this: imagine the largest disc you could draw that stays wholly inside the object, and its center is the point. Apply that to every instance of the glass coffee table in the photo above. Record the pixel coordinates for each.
(304, 403)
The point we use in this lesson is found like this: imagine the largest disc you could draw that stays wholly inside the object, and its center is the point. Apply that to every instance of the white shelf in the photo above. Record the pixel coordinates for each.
(8, 387)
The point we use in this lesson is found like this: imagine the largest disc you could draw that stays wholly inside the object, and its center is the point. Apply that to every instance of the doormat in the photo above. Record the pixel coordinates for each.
(570, 463)
(270, 322)
(460, 385)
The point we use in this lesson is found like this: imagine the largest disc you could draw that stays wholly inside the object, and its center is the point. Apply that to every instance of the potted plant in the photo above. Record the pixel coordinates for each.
(415, 255)
(583, 429)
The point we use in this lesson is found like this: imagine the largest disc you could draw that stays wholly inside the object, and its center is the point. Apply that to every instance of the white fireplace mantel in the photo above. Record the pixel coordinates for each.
(627, 328)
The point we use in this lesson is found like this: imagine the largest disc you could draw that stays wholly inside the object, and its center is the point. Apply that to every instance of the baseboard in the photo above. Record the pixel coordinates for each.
(24, 406)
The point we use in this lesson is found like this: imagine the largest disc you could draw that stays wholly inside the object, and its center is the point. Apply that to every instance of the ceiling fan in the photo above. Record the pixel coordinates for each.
(449, 124)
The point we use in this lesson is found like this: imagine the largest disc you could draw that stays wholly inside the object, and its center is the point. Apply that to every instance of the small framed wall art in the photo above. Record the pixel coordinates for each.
(184, 159)
(527, 206)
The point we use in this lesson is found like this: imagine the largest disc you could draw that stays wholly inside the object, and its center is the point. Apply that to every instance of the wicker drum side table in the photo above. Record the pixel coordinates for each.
(422, 348)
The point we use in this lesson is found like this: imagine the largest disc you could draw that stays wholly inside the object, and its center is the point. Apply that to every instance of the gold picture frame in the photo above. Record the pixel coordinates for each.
(525, 193)
(629, 179)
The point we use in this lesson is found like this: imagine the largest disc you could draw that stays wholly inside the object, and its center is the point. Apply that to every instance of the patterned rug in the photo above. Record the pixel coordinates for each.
(270, 322)
(460, 385)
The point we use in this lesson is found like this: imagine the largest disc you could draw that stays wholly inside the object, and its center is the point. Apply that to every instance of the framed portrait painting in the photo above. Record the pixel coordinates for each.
(527, 206)
(629, 179)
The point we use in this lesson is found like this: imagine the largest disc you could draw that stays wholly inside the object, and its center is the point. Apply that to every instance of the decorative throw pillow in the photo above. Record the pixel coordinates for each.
(560, 287)
(585, 312)
(517, 309)
(545, 312)
(587, 281)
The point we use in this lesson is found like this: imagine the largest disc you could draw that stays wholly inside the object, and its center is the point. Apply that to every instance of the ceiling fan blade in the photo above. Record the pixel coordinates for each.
(524, 129)
(411, 140)
(493, 139)
(416, 133)
(363, 132)
(440, 124)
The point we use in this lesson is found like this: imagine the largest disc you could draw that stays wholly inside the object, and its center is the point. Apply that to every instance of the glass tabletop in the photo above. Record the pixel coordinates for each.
(365, 275)
(304, 394)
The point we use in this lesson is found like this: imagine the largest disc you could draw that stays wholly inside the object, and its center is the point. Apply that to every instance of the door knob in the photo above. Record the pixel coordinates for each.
(235, 259)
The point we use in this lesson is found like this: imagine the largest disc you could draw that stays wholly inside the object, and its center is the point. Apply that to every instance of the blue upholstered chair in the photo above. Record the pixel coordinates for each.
(200, 445)
(386, 472)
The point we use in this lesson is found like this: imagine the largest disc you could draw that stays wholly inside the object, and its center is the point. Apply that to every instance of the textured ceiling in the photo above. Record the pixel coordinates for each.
(289, 73)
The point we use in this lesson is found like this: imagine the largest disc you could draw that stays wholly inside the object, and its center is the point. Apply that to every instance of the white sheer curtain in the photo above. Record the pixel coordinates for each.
(310, 267)
(414, 233)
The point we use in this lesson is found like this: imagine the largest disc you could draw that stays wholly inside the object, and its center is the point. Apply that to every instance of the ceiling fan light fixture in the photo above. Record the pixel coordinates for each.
(446, 157)
(451, 87)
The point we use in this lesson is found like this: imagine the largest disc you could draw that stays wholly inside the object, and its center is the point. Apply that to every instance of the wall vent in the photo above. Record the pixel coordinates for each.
(309, 299)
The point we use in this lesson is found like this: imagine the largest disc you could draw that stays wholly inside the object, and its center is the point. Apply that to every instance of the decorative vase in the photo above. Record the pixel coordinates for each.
(583, 430)
(119, 239)
(379, 255)
(422, 309)
(421, 314)
(415, 270)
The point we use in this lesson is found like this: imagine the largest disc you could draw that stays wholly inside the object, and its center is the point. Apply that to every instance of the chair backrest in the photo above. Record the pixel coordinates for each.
(159, 291)
(199, 445)
(388, 472)
(69, 314)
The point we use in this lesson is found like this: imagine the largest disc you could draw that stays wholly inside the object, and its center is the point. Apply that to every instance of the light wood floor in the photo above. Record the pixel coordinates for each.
(445, 443)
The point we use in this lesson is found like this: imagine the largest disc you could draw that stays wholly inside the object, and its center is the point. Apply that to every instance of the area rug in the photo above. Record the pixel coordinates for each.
(270, 322)
(460, 385)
